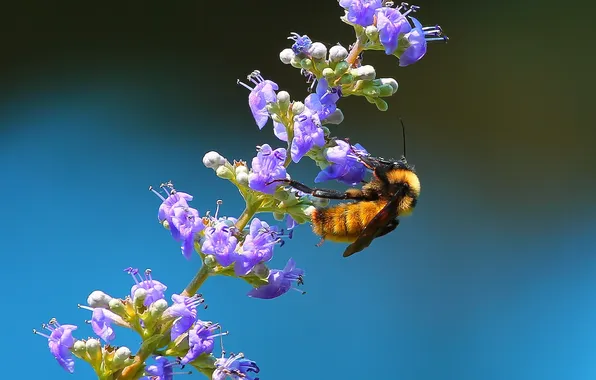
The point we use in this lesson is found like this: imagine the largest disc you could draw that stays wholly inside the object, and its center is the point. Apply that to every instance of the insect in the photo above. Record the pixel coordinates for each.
(392, 192)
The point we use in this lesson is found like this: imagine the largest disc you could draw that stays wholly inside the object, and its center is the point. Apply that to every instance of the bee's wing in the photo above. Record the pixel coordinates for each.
(382, 219)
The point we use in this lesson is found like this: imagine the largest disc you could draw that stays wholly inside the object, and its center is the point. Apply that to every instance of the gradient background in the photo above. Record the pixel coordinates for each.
(493, 277)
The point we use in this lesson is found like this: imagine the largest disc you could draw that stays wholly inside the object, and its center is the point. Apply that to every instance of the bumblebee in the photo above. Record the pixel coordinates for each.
(392, 192)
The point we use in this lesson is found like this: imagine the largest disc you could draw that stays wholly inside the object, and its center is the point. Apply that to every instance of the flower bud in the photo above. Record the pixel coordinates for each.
(335, 118)
(93, 347)
(390, 81)
(381, 104)
(283, 97)
(156, 309)
(295, 62)
(286, 56)
(341, 68)
(372, 32)
(97, 298)
(241, 169)
(307, 64)
(366, 72)
(224, 172)
(117, 307)
(139, 297)
(297, 108)
(213, 160)
(385, 90)
(337, 53)
(79, 348)
(242, 178)
(121, 358)
(210, 261)
(279, 216)
(328, 73)
(317, 50)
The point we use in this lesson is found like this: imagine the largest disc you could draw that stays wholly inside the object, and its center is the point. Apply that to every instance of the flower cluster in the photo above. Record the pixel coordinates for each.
(172, 333)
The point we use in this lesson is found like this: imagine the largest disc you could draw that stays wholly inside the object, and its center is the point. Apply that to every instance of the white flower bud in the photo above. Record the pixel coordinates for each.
(297, 108)
(366, 72)
(241, 169)
(79, 347)
(317, 50)
(213, 160)
(242, 178)
(121, 357)
(372, 32)
(97, 298)
(283, 97)
(93, 347)
(224, 172)
(335, 118)
(390, 81)
(139, 296)
(337, 53)
(286, 56)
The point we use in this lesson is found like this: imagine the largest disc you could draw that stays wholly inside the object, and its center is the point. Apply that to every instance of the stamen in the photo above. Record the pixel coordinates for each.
(243, 85)
(219, 202)
(294, 36)
(84, 307)
(298, 290)
(156, 193)
(41, 334)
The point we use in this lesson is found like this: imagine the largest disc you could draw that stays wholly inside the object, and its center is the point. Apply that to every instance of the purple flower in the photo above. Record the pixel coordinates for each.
(200, 340)
(155, 289)
(267, 166)
(417, 39)
(280, 281)
(391, 23)
(184, 222)
(345, 166)
(360, 12)
(262, 94)
(290, 223)
(60, 341)
(301, 43)
(235, 367)
(184, 310)
(257, 247)
(307, 133)
(323, 100)
(187, 222)
(220, 242)
(101, 323)
(161, 370)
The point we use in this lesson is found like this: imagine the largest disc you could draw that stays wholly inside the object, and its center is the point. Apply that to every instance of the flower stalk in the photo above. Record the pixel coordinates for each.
(197, 281)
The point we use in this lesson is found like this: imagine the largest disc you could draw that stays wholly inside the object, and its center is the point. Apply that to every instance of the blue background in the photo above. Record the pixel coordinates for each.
(493, 277)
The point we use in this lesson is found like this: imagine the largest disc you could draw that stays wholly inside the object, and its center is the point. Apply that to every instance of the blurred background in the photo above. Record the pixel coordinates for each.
(493, 277)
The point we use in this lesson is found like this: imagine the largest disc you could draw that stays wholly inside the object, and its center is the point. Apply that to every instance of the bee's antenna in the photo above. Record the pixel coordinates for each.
(403, 132)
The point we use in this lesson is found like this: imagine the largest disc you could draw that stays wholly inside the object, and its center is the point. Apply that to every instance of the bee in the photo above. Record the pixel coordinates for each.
(392, 192)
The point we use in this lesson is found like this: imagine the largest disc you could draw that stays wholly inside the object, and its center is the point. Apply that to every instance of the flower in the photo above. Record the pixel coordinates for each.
(220, 242)
(391, 23)
(200, 340)
(60, 341)
(236, 367)
(307, 133)
(279, 282)
(155, 289)
(417, 39)
(301, 43)
(322, 101)
(161, 370)
(345, 166)
(360, 12)
(257, 247)
(184, 222)
(101, 323)
(185, 311)
(262, 94)
(187, 222)
(267, 166)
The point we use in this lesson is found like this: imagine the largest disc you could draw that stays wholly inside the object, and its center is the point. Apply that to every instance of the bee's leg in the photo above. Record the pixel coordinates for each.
(355, 194)
(320, 243)
(388, 228)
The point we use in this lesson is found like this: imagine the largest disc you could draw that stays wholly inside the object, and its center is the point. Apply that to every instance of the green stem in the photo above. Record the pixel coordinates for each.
(196, 282)
(246, 215)
(290, 132)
